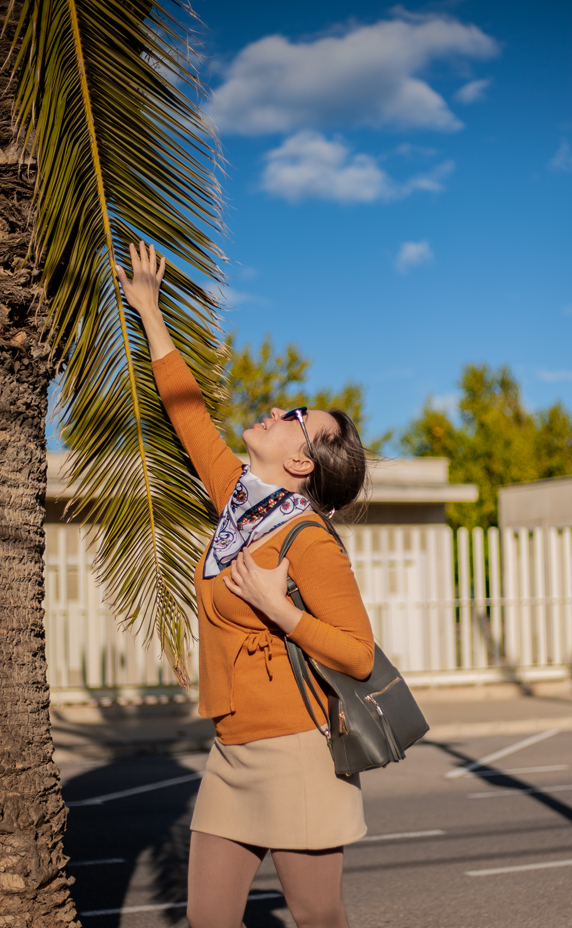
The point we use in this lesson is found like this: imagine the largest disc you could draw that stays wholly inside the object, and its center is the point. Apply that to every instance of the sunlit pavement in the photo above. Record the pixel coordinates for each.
(447, 847)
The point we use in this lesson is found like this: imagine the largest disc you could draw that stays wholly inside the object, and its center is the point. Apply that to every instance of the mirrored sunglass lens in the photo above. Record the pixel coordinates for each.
(293, 414)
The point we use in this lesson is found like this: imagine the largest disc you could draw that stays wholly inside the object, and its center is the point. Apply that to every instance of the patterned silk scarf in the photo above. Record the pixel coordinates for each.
(254, 509)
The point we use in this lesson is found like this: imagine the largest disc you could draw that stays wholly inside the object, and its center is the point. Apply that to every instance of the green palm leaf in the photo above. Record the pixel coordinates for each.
(103, 100)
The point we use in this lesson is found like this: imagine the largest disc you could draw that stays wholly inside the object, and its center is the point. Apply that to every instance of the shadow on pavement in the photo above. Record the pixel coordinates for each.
(132, 850)
(111, 732)
(505, 781)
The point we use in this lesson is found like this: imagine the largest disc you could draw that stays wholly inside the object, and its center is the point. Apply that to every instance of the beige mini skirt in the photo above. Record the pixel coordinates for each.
(280, 793)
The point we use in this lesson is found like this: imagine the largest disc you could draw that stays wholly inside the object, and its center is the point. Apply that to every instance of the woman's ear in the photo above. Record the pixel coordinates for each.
(299, 466)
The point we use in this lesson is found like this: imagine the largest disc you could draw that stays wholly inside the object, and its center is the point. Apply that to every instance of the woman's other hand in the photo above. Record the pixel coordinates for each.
(265, 590)
(142, 291)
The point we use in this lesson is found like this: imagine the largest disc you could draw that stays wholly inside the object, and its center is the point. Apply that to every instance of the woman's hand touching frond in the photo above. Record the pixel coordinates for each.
(142, 291)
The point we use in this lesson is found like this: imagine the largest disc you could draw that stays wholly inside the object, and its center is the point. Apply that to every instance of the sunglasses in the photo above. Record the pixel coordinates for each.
(298, 414)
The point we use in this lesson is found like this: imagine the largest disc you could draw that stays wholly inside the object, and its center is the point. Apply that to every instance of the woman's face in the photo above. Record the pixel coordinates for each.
(275, 440)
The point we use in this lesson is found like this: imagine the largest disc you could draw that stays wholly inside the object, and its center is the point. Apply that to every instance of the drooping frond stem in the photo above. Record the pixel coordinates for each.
(124, 153)
(109, 245)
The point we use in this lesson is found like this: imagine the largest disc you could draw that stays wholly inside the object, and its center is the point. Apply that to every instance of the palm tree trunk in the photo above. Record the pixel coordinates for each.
(34, 889)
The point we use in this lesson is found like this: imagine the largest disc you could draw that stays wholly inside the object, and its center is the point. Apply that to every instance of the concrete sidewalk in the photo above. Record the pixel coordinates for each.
(108, 732)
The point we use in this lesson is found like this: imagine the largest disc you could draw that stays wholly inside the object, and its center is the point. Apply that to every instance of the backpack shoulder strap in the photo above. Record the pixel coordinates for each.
(295, 653)
(294, 532)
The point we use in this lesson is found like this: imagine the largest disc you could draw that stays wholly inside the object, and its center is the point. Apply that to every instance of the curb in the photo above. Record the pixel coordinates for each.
(485, 729)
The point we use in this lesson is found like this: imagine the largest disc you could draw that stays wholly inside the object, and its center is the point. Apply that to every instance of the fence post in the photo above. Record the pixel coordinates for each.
(556, 611)
(495, 594)
(432, 604)
(567, 570)
(449, 629)
(480, 629)
(541, 655)
(524, 583)
(511, 640)
(465, 597)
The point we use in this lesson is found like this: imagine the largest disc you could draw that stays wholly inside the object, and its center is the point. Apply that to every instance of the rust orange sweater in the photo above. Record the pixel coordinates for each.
(246, 683)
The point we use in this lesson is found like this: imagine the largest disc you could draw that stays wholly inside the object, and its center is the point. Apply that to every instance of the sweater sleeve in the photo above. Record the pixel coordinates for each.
(336, 629)
(217, 466)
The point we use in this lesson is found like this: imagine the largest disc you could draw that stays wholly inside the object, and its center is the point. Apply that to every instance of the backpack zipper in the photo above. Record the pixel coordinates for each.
(370, 697)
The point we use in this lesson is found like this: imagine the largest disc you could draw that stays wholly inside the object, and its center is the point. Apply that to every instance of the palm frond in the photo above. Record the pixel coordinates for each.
(104, 99)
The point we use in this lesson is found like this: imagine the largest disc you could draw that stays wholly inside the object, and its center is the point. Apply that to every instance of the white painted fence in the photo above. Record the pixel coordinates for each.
(506, 616)
(88, 654)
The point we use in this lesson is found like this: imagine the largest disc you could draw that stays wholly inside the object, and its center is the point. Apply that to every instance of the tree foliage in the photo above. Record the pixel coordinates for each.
(257, 382)
(494, 441)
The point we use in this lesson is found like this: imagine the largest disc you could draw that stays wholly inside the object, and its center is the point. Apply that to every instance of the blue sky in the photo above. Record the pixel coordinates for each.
(399, 190)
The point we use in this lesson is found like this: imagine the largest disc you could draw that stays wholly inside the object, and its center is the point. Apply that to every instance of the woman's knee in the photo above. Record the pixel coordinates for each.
(199, 917)
(326, 915)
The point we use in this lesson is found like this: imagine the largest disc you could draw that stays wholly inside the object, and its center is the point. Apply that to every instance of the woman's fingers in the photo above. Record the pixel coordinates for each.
(143, 256)
(121, 276)
(236, 571)
(231, 586)
(134, 256)
(141, 260)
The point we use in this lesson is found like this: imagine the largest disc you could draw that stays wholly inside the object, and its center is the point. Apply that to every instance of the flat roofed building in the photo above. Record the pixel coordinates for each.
(544, 503)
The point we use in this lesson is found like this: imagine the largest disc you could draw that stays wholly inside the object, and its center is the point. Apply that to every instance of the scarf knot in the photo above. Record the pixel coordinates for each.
(254, 509)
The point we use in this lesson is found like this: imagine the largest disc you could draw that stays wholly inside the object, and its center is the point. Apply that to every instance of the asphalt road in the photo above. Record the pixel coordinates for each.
(488, 849)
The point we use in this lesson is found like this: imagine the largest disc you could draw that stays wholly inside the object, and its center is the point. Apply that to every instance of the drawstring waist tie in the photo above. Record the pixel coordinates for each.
(261, 641)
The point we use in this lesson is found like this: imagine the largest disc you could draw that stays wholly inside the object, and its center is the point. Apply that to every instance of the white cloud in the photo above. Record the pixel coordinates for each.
(411, 254)
(562, 160)
(554, 376)
(247, 272)
(446, 402)
(473, 91)
(408, 150)
(309, 165)
(229, 297)
(367, 76)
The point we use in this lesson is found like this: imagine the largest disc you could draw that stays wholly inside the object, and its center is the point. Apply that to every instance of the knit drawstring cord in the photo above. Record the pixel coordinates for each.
(261, 641)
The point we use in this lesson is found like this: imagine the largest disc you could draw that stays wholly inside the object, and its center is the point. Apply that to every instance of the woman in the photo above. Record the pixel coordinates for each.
(269, 782)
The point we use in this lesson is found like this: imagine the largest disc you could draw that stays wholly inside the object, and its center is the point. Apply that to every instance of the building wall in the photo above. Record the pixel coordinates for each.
(405, 514)
(539, 503)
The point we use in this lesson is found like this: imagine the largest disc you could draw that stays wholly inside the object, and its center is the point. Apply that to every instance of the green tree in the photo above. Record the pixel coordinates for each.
(257, 382)
(107, 148)
(495, 441)
(553, 445)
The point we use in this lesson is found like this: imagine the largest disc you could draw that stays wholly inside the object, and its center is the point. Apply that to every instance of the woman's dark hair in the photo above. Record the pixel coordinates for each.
(340, 470)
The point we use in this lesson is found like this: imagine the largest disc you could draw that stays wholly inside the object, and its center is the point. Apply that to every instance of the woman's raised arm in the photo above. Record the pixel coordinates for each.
(142, 293)
(214, 461)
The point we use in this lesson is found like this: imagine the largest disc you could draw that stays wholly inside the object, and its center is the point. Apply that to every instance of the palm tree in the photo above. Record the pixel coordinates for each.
(103, 142)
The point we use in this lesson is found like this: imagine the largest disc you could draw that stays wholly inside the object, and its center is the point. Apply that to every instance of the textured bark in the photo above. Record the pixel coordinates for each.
(34, 888)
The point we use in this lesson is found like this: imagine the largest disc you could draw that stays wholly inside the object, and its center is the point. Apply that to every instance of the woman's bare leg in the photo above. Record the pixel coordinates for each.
(312, 884)
(220, 876)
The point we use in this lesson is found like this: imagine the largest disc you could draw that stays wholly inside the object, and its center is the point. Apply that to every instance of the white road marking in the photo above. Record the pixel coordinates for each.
(519, 792)
(521, 869)
(402, 834)
(131, 909)
(94, 863)
(508, 771)
(512, 749)
(161, 784)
